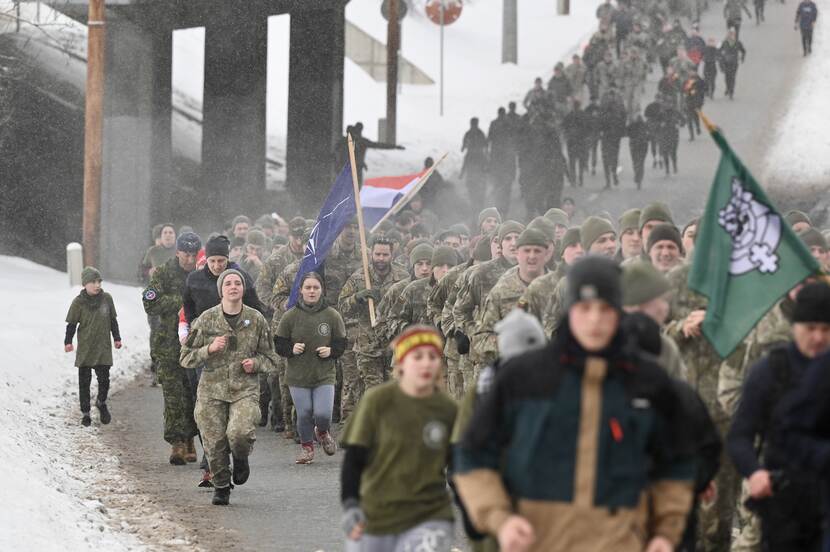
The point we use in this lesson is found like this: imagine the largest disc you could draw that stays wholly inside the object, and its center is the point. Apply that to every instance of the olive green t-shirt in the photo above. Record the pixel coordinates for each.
(158, 255)
(316, 327)
(93, 315)
(404, 483)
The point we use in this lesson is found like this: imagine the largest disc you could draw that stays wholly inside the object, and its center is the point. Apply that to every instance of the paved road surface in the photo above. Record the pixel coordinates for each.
(295, 508)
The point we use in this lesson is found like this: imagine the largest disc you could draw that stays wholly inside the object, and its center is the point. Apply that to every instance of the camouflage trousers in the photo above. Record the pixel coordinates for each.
(746, 535)
(372, 370)
(270, 405)
(179, 425)
(715, 520)
(286, 405)
(351, 389)
(227, 428)
(455, 381)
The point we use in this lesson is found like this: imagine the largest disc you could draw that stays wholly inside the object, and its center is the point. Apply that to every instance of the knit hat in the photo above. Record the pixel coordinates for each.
(630, 220)
(592, 228)
(795, 216)
(517, 333)
(544, 226)
(184, 230)
(265, 221)
(385, 226)
(224, 275)
(489, 212)
(422, 252)
(412, 244)
(641, 283)
(594, 277)
(508, 227)
(414, 337)
(813, 238)
(255, 237)
(218, 246)
(89, 275)
(571, 237)
(188, 242)
(812, 304)
(237, 242)
(443, 255)
(296, 227)
(663, 232)
(482, 252)
(655, 211)
(240, 218)
(460, 229)
(532, 237)
(557, 216)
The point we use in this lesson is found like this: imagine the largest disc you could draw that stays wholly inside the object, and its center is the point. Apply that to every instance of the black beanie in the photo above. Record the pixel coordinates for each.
(665, 232)
(813, 303)
(218, 246)
(594, 277)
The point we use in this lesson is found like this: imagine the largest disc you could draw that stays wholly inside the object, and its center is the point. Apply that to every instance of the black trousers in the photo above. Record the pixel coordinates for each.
(84, 380)
(807, 40)
(610, 158)
(791, 520)
(710, 78)
(729, 73)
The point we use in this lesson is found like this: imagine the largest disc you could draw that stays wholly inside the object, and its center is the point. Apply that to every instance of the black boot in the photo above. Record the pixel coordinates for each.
(222, 496)
(86, 421)
(241, 470)
(104, 412)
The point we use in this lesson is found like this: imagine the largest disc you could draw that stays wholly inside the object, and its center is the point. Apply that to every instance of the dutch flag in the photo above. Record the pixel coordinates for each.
(379, 195)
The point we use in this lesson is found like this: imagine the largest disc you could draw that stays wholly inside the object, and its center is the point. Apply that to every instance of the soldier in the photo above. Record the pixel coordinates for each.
(163, 298)
(607, 74)
(650, 216)
(689, 235)
(732, 13)
(638, 138)
(161, 252)
(694, 92)
(613, 117)
(634, 71)
(279, 259)
(732, 54)
(559, 88)
(420, 267)
(353, 303)
(817, 244)
(501, 139)
(577, 75)
(665, 247)
(799, 221)
(234, 344)
(252, 260)
(531, 254)
(240, 226)
(576, 127)
(474, 168)
(631, 246)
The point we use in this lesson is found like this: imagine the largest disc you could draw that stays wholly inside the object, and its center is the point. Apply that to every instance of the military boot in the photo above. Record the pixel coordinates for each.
(86, 421)
(104, 412)
(241, 470)
(222, 496)
(190, 451)
(177, 454)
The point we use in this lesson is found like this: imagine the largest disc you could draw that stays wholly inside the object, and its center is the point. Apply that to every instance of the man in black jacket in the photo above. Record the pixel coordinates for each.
(787, 500)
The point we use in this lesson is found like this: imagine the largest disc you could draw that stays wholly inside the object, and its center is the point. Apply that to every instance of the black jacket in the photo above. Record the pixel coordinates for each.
(200, 292)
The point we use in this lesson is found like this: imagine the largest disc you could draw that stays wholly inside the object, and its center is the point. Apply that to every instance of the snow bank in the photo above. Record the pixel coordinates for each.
(50, 462)
(800, 151)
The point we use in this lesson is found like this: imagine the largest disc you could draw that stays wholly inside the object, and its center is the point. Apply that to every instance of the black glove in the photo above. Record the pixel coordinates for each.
(352, 516)
(462, 342)
(364, 295)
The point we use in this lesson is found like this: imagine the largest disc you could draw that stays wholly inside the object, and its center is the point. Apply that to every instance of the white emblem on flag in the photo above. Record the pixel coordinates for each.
(755, 231)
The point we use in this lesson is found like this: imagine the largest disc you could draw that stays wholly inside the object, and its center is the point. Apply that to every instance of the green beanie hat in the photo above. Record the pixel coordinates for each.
(460, 229)
(532, 236)
(641, 283)
(255, 237)
(421, 252)
(509, 226)
(557, 216)
(89, 275)
(592, 228)
(655, 211)
(481, 252)
(795, 216)
(544, 226)
(813, 238)
(224, 275)
(571, 238)
(489, 212)
(444, 255)
(630, 220)
(385, 226)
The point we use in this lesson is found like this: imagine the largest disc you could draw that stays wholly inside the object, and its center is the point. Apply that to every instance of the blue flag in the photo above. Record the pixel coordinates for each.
(337, 211)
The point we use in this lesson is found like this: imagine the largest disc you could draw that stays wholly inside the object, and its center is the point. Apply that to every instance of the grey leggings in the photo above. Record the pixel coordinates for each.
(314, 407)
(430, 536)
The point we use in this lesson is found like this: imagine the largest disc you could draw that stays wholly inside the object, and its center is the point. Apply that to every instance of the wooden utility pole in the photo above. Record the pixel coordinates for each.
(510, 32)
(93, 131)
(393, 41)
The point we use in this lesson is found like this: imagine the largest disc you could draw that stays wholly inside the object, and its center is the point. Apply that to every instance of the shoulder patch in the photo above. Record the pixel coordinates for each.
(150, 294)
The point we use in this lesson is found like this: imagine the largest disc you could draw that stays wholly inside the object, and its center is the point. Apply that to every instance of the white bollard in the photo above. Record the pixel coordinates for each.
(74, 263)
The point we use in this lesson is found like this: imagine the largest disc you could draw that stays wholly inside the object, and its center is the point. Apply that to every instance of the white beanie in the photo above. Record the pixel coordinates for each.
(519, 332)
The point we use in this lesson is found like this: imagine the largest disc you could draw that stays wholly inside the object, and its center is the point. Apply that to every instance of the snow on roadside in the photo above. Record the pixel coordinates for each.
(800, 152)
(56, 473)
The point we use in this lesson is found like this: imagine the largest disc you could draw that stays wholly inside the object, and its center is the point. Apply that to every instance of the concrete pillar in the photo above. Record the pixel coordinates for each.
(509, 32)
(315, 102)
(233, 113)
(136, 158)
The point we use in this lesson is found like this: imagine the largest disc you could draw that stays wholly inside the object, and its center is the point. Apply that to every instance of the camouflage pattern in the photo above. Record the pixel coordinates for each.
(227, 407)
(641, 41)
(280, 395)
(633, 71)
(253, 269)
(369, 349)
(702, 364)
(411, 308)
(388, 304)
(439, 310)
(163, 298)
(340, 264)
(746, 534)
(273, 266)
(538, 298)
(503, 298)
(608, 75)
(577, 76)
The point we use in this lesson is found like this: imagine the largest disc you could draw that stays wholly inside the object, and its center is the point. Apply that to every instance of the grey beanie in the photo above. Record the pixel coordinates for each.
(90, 274)
(517, 333)
(224, 275)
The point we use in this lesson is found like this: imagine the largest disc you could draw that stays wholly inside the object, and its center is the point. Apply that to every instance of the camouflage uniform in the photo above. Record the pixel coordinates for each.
(389, 304)
(539, 297)
(163, 298)
(608, 74)
(439, 312)
(369, 348)
(702, 363)
(271, 269)
(577, 76)
(227, 408)
(634, 71)
(280, 395)
(412, 306)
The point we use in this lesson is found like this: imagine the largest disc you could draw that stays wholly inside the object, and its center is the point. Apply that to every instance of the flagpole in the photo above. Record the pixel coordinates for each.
(710, 126)
(396, 208)
(362, 231)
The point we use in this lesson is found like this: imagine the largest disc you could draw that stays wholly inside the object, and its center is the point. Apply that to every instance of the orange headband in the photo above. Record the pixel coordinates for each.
(418, 336)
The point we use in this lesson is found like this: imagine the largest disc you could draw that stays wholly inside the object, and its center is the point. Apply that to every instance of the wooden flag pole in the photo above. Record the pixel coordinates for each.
(710, 126)
(396, 208)
(362, 231)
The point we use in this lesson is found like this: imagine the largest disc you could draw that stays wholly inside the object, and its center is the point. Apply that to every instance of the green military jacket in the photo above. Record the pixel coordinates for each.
(163, 298)
(222, 375)
(272, 267)
(368, 340)
(471, 296)
(439, 296)
(93, 315)
(389, 304)
(412, 306)
(281, 292)
(539, 296)
(339, 265)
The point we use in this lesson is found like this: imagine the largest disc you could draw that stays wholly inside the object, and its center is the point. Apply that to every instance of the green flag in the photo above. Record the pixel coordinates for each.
(746, 256)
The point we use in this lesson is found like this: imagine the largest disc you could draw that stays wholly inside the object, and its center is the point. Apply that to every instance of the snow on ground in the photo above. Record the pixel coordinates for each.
(56, 473)
(800, 151)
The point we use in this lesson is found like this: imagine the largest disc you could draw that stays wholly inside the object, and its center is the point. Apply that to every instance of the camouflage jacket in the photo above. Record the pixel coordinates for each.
(163, 298)
(471, 296)
(538, 298)
(339, 265)
(411, 308)
(439, 297)
(222, 375)
(281, 293)
(389, 304)
(503, 298)
(367, 341)
(251, 267)
(271, 269)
